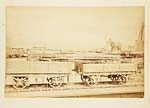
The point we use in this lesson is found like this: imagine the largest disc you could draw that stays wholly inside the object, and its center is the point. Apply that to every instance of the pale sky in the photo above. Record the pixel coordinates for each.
(72, 27)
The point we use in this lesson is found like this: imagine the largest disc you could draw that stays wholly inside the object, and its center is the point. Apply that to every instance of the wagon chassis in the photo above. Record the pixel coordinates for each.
(54, 80)
(92, 78)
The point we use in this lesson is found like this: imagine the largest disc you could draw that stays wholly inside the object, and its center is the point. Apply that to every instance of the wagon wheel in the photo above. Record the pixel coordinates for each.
(84, 78)
(123, 79)
(55, 82)
(92, 80)
(20, 82)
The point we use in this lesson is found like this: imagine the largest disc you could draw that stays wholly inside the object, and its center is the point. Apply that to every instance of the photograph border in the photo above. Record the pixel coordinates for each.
(76, 102)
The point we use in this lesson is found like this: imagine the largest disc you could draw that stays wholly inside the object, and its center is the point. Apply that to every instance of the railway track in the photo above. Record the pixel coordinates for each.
(71, 86)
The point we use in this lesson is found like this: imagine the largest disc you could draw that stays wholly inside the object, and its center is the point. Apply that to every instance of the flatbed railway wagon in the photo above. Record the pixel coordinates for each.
(92, 73)
(21, 74)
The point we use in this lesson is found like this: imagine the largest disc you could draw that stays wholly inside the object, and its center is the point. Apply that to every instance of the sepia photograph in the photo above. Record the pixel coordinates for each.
(75, 52)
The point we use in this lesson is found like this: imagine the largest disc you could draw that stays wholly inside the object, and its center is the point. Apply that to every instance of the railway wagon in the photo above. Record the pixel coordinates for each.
(92, 73)
(21, 74)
